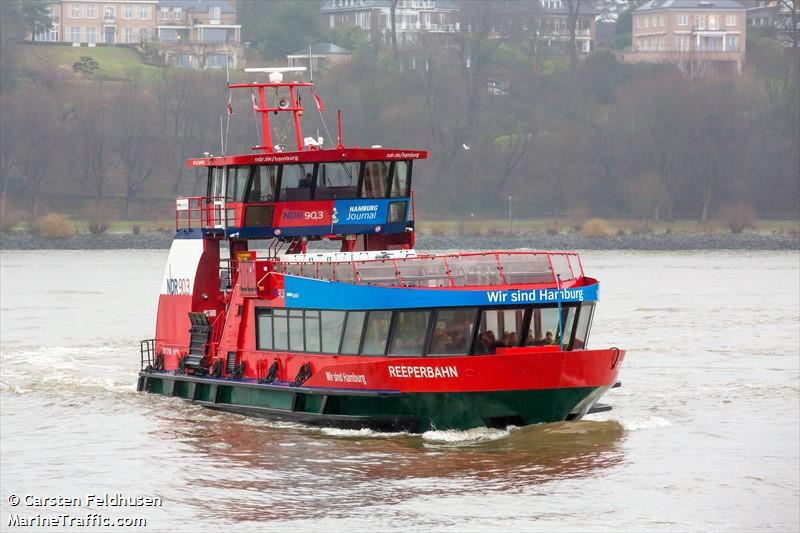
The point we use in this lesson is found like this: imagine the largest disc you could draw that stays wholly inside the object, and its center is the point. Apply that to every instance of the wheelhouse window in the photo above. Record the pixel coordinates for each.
(500, 328)
(376, 179)
(400, 179)
(237, 183)
(453, 332)
(216, 182)
(376, 333)
(337, 180)
(410, 332)
(296, 182)
(262, 188)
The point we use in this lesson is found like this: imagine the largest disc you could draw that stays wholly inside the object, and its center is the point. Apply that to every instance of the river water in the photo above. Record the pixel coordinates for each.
(704, 435)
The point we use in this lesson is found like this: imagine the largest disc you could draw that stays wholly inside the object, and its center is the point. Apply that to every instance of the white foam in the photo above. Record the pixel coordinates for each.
(651, 422)
(482, 434)
(363, 432)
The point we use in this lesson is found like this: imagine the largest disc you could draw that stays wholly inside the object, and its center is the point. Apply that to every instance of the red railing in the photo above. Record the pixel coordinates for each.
(195, 212)
(444, 270)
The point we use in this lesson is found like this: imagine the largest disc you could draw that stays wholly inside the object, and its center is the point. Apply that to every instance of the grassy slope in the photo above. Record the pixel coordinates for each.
(115, 63)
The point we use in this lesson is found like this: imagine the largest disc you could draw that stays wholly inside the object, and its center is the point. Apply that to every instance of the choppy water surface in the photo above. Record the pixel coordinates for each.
(704, 433)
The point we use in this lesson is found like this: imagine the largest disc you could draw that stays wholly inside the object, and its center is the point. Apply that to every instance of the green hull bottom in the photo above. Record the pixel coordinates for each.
(415, 412)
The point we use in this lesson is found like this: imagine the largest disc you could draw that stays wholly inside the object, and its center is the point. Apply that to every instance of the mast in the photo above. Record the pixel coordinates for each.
(284, 103)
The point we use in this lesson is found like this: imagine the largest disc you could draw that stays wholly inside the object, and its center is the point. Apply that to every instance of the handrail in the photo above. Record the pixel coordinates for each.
(443, 270)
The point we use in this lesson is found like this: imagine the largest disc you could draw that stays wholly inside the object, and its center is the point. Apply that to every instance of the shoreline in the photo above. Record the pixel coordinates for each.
(653, 242)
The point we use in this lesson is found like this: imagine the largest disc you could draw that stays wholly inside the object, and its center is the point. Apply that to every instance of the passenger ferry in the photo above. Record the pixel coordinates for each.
(375, 335)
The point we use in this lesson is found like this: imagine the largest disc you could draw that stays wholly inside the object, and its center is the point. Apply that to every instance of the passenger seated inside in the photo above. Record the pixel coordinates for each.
(548, 338)
(306, 182)
(486, 342)
(538, 340)
(510, 339)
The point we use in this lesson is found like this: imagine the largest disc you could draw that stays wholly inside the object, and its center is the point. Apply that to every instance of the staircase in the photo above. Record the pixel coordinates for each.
(200, 333)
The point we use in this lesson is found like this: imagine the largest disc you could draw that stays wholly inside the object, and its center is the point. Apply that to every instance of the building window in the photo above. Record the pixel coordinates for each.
(215, 13)
(127, 35)
(91, 11)
(111, 35)
(683, 43)
(661, 20)
(75, 11)
(127, 12)
(683, 19)
(215, 35)
(144, 12)
(164, 13)
(731, 43)
(639, 22)
(219, 61)
(168, 35)
(144, 35)
(700, 22)
(177, 13)
(109, 12)
(75, 35)
(730, 20)
(647, 22)
(91, 35)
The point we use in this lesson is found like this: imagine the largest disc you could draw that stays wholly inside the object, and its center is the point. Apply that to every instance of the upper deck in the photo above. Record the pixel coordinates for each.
(447, 270)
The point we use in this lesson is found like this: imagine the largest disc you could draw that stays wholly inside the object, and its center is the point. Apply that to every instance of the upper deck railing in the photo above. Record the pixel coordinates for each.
(444, 270)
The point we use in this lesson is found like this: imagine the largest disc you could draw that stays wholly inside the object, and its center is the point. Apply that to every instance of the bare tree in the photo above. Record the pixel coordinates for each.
(573, 10)
(393, 20)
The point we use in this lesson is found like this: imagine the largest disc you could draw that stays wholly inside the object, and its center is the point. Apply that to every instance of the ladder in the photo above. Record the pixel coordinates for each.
(200, 333)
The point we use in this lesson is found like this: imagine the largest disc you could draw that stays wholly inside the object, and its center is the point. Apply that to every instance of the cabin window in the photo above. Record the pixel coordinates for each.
(376, 179)
(312, 331)
(352, 332)
(546, 326)
(262, 188)
(410, 331)
(264, 329)
(583, 326)
(296, 343)
(376, 333)
(280, 329)
(500, 328)
(337, 180)
(216, 183)
(296, 182)
(332, 324)
(400, 179)
(452, 333)
(237, 183)
(397, 212)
